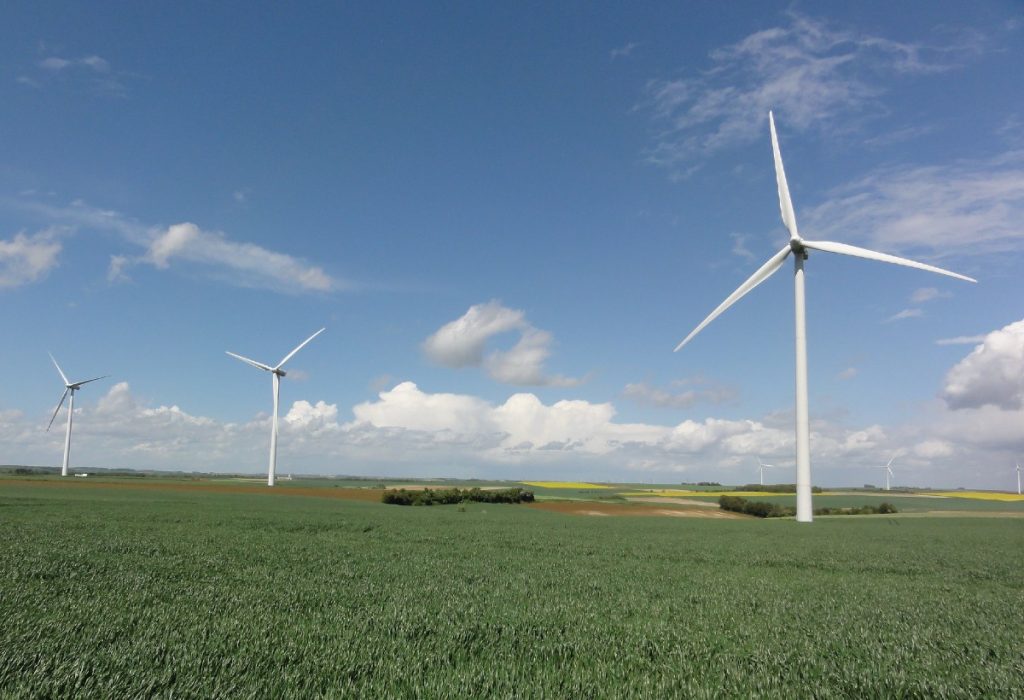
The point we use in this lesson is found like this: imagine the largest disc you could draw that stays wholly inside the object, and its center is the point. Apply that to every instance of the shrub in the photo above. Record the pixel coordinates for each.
(431, 497)
(759, 509)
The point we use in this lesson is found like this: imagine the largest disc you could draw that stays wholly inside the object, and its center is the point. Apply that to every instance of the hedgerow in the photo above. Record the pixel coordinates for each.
(433, 497)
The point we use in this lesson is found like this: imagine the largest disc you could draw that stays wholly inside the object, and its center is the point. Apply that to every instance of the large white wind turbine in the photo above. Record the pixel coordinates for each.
(1018, 479)
(761, 467)
(276, 373)
(799, 248)
(888, 471)
(69, 388)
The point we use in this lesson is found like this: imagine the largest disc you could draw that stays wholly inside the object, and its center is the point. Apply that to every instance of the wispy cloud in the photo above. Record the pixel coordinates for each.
(905, 314)
(624, 51)
(739, 246)
(27, 258)
(848, 373)
(961, 340)
(966, 208)
(807, 70)
(681, 393)
(91, 71)
(925, 294)
(463, 343)
(235, 262)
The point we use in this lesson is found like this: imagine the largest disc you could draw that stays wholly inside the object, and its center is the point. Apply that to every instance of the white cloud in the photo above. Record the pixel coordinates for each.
(739, 246)
(905, 314)
(682, 393)
(406, 430)
(116, 270)
(463, 342)
(91, 72)
(55, 63)
(239, 263)
(305, 414)
(848, 373)
(623, 51)
(27, 258)
(807, 70)
(924, 294)
(993, 374)
(966, 208)
(961, 340)
(932, 449)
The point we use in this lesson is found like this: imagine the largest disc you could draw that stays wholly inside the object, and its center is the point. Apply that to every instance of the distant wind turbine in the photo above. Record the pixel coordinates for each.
(69, 388)
(276, 373)
(761, 467)
(888, 471)
(799, 249)
(1018, 479)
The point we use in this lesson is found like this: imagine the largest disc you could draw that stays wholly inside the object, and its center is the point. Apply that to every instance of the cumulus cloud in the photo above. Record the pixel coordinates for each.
(27, 258)
(993, 374)
(806, 69)
(406, 430)
(463, 343)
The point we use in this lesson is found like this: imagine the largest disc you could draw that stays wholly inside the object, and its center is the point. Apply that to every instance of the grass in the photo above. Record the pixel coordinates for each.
(149, 592)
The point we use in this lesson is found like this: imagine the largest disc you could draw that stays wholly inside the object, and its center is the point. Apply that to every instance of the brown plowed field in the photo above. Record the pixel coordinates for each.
(200, 486)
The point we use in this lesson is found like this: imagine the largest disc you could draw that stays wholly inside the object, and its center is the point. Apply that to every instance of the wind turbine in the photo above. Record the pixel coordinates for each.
(1018, 479)
(799, 248)
(276, 373)
(69, 388)
(888, 471)
(761, 467)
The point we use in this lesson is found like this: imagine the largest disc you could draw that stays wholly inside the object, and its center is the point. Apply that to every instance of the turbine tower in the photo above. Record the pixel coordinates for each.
(799, 248)
(1018, 479)
(888, 471)
(761, 467)
(69, 388)
(276, 374)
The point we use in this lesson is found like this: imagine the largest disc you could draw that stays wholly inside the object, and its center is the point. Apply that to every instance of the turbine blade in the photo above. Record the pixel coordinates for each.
(78, 384)
(785, 202)
(62, 376)
(254, 363)
(57, 410)
(845, 249)
(763, 273)
(301, 345)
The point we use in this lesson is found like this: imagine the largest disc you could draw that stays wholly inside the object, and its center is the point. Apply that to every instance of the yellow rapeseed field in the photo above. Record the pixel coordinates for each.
(564, 485)
(979, 495)
(682, 493)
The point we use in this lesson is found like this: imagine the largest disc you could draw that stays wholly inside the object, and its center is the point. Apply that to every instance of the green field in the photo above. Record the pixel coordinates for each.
(129, 592)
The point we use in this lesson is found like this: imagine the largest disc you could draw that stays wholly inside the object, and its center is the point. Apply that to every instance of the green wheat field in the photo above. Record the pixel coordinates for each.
(112, 589)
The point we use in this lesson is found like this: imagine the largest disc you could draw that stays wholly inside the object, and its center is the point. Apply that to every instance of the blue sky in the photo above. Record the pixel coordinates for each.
(507, 217)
